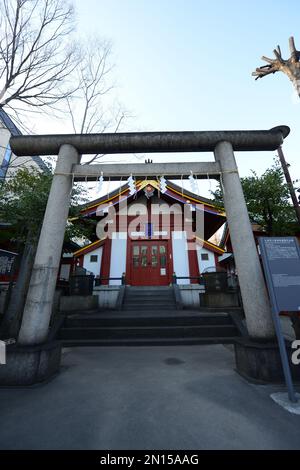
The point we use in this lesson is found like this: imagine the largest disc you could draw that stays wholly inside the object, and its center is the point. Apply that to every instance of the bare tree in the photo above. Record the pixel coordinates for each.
(90, 106)
(290, 67)
(37, 55)
(42, 67)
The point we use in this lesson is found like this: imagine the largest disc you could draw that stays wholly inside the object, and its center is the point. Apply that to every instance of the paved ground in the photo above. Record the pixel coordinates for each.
(184, 397)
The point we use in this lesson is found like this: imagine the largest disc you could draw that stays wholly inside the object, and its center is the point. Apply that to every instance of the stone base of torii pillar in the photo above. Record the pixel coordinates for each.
(260, 362)
(29, 365)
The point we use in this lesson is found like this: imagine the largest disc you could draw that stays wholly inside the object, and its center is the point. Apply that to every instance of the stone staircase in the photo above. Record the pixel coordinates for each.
(149, 299)
(149, 317)
(134, 330)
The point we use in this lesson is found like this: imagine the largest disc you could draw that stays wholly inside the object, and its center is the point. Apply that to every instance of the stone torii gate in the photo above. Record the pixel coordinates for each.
(33, 359)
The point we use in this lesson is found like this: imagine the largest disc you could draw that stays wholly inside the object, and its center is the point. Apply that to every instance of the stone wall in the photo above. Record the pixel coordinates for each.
(190, 295)
(107, 296)
(70, 303)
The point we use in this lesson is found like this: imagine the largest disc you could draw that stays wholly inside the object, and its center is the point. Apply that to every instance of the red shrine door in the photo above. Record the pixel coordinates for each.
(149, 263)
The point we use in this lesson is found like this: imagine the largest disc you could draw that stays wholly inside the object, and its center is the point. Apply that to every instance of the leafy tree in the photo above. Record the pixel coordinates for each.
(268, 201)
(23, 200)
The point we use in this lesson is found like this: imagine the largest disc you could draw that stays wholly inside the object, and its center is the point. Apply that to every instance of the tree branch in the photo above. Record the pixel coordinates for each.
(32, 51)
(290, 67)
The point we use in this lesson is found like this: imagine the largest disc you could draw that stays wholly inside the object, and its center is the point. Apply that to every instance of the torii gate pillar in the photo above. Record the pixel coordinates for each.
(38, 306)
(34, 360)
(255, 298)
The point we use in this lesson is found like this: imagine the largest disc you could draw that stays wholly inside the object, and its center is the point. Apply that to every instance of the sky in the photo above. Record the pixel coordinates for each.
(186, 65)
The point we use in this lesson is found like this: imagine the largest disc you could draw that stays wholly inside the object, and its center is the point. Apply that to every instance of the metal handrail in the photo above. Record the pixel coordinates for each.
(98, 280)
(198, 278)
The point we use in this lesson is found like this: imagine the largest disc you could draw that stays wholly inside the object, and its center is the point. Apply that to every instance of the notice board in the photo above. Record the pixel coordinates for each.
(281, 261)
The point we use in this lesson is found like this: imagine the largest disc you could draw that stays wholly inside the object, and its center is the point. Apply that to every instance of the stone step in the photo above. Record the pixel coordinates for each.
(149, 292)
(227, 310)
(148, 300)
(118, 320)
(201, 331)
(148, 288)
(150, 307)
(148, 342)
(161, 298)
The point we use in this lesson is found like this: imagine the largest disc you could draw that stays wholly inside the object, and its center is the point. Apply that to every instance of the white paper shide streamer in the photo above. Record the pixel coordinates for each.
(99, 183)
(131, 184)
(162, 184)
(193, 183)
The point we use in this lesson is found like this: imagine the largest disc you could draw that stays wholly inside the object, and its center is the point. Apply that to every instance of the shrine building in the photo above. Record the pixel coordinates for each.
(146, 236)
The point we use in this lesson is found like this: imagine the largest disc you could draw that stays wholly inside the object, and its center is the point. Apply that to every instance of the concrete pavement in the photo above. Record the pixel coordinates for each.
(186, 397)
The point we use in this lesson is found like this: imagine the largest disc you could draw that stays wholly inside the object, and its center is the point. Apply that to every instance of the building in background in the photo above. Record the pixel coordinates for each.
(9, 162)
(149, 241)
